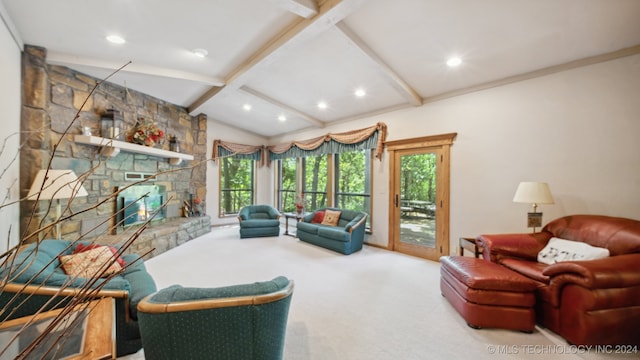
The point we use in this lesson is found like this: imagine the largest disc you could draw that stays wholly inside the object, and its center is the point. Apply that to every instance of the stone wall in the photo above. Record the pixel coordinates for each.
(57, 103)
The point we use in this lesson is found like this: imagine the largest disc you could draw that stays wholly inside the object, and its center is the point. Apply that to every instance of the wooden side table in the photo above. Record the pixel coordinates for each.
(88, 332)
(470, 244)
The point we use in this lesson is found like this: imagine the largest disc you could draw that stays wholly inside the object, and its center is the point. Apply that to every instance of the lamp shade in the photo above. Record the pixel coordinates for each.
(533, 193)
(58, 184)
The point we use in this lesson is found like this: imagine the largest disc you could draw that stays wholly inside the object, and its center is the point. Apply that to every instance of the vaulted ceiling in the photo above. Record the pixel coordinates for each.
(269, 63)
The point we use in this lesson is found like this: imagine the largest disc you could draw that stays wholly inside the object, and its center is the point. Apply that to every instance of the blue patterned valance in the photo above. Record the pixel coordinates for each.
(369, 138)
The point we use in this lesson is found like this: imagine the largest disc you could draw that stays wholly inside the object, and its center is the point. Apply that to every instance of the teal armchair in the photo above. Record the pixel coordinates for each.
(240, 322)
(259, 220)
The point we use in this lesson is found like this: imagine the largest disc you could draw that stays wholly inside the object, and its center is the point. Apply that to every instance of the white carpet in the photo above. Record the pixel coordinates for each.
(371, 305)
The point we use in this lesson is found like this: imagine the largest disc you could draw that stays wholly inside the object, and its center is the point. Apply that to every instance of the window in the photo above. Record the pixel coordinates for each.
(342, 180)
(287, 184)
(236, 184)
(315, 178)
(353, 181)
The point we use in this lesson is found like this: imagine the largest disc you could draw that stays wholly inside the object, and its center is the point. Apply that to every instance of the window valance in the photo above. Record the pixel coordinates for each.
(368, 138)
(241, 151)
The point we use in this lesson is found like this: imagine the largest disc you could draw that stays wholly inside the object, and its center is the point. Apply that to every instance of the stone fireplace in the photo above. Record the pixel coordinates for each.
(52, 96)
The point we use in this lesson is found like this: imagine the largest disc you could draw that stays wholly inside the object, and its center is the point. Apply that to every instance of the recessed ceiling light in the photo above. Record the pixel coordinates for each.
(282, 118)
(454, 61)
(246, 107)
(360, 92)
(200, 52)
(322, 105)
(115, 39)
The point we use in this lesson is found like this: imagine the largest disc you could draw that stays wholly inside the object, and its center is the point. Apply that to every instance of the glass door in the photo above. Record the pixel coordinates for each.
(419, 196)
(416, 197)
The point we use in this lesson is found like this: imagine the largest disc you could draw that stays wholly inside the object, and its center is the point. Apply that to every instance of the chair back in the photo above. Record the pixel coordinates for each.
(245, 321)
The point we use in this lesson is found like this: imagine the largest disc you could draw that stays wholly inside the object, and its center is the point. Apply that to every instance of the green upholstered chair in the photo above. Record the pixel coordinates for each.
(239, 322)
(259, 220)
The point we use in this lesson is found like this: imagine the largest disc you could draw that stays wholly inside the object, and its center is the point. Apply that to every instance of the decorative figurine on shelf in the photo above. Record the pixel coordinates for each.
(147, 133)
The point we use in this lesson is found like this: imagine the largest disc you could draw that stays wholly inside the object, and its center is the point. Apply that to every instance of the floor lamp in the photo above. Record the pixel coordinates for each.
(533, 193)
(56, 185)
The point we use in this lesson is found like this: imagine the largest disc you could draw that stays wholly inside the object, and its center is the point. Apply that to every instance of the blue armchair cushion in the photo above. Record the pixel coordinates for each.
(258, 223)
(178, 293)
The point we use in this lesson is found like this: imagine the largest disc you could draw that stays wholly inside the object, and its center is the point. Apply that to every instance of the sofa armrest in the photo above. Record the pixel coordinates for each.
(273, 213)
(524, 246)
(612, 272)
(243, 214)
(355, 223)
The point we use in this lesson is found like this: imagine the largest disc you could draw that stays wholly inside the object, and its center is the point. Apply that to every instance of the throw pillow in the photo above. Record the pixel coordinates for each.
(558, 250)
(90, 263)
(318, 217)
(331, 217)
(81, 248)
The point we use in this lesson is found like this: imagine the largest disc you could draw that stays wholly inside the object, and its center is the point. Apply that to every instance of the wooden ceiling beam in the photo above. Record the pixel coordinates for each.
(136, 68)
(392, 77)
(330, 12)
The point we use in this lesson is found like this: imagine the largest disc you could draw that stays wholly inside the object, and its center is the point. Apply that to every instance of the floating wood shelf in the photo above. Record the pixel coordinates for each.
(109, 147)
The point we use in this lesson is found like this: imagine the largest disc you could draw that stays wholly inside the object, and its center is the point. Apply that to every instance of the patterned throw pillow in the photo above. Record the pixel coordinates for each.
(90, 263)
(82, 248)
(331, 217)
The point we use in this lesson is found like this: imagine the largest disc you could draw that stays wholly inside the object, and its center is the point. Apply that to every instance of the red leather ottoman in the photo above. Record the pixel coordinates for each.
(488, 295)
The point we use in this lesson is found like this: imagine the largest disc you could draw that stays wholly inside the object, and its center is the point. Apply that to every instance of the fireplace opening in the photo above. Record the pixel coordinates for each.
(137, 204)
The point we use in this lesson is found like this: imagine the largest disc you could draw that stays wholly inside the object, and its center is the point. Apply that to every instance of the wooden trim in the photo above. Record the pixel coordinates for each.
(441, 146)
(146, 306)
(58, 291)
(421, 142)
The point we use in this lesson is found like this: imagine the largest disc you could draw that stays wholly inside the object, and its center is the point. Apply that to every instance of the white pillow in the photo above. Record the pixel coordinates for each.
(566, 250)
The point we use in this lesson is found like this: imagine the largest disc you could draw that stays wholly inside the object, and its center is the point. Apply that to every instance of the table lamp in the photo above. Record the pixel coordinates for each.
(56, 185)
(533, 193)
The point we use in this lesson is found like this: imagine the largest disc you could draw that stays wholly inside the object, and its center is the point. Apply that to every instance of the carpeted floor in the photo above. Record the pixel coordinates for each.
(371, 305)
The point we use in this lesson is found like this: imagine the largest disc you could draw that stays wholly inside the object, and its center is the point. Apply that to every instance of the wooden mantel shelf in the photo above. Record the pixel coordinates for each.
(111, 147)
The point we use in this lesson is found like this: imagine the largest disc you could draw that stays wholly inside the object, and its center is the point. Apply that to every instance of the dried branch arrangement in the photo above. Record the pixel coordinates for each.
(77, 292)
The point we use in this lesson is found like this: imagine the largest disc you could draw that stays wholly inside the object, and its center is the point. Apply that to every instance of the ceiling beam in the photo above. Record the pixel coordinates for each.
(392, 77)
(136, 68)
(330, 12)
(284, 107)
(303, 8)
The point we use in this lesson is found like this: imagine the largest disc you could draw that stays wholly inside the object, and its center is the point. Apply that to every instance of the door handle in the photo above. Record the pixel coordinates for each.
(396, 200)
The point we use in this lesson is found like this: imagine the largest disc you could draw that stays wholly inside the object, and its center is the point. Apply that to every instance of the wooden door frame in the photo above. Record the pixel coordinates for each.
(442, 143)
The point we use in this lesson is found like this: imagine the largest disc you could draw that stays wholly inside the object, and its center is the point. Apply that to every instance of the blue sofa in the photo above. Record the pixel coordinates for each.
(346, 238)
(41, 269)
(258, 221)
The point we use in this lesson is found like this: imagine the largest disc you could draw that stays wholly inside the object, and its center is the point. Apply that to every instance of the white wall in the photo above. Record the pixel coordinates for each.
(577, 130)
(10, 97)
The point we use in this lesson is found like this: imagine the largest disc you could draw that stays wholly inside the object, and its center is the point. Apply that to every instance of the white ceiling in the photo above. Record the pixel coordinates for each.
(284, 56)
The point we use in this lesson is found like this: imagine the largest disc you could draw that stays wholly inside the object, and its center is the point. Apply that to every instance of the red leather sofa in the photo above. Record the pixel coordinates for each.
(589, 302)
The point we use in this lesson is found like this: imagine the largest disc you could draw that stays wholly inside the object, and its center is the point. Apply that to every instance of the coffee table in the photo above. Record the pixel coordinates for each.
(87, 332)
